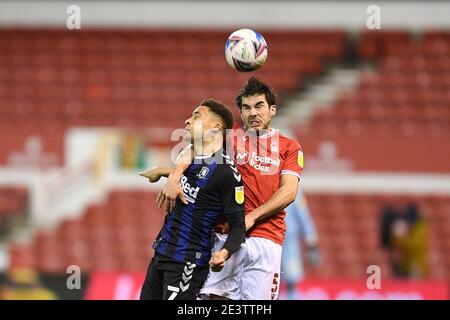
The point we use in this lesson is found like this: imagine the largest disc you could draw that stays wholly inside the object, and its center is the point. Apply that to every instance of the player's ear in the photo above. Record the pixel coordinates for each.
(217, 126)
(273, 110)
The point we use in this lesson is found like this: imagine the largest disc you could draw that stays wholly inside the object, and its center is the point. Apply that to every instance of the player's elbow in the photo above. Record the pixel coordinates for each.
(289, 196)
(289, 187)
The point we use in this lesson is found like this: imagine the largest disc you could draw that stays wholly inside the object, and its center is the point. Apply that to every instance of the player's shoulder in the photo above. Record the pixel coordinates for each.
(287, 142)
(227, 168)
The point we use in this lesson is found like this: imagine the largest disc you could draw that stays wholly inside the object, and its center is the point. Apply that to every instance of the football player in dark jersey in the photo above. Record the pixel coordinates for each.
(213, 191)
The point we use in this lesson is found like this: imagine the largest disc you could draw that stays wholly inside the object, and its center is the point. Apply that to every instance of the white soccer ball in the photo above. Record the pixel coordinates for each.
(246, 50)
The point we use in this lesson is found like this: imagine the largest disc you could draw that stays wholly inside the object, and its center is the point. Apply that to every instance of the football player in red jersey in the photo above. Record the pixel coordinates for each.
(271, 166)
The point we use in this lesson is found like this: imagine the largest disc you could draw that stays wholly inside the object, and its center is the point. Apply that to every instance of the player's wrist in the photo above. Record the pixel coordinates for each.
(252, 216)
(175, 176)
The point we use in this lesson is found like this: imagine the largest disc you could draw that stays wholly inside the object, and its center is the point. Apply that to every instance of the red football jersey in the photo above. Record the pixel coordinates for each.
(261, 161)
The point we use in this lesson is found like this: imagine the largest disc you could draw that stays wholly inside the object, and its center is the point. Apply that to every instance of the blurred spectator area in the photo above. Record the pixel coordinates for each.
(398, 117)
(118, 234)
(51, 80)
(407, 95)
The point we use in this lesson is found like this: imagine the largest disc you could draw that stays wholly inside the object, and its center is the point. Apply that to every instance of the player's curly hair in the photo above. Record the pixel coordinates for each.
(256, 87)
(222, 111)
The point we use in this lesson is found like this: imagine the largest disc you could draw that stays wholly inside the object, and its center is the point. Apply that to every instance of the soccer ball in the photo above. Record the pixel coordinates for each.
(246, 50)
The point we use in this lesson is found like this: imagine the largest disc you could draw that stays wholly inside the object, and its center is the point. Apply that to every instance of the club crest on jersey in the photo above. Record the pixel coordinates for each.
(203, 172)
(300, 159)
(239, 194)
(241, 156)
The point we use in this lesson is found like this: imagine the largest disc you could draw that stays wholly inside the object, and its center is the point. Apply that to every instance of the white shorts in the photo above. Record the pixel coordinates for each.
(251, 273)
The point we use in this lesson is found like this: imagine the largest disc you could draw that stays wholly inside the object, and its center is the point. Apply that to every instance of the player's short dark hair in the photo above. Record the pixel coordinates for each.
(222, 111)
(256, 87)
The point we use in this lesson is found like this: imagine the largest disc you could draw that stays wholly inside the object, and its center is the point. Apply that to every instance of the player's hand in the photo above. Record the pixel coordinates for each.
(153, 174)
(217, 261)
(169, 193)
(249, 222)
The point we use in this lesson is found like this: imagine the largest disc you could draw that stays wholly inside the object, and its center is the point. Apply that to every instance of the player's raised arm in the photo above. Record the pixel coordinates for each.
(171, 189)
(155, 173)
(182, 162)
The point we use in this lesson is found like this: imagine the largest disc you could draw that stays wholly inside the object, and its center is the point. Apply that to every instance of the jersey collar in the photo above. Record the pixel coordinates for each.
(269, 133)
(202, 156)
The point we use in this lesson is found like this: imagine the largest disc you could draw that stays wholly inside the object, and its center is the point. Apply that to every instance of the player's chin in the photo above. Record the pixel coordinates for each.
(255, 129)
(258, 127)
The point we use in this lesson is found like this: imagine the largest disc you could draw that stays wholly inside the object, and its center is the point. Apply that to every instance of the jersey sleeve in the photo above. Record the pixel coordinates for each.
(293, 162)
(231, 192)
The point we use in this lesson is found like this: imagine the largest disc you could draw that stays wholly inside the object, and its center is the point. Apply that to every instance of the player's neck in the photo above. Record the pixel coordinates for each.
(207, 148)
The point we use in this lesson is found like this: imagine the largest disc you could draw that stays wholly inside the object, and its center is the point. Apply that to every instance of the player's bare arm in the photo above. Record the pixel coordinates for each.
(171, 189)
(155, 173)
(284, 196)
(181, 164)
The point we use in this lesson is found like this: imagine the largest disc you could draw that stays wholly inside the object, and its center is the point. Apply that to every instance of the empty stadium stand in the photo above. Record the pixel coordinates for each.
(400, 108)
(52, 80)
(407, 95)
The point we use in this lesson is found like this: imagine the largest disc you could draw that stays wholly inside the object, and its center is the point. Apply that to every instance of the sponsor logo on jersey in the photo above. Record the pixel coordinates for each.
(263, 164)
(190, 193)
(260, 163)
(239, 194)
(241, 156)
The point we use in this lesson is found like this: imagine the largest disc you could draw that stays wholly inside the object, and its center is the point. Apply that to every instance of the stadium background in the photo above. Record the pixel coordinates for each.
(82, 111)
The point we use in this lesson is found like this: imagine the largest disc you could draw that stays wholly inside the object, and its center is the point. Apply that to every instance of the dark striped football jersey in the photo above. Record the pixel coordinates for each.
(214, 191)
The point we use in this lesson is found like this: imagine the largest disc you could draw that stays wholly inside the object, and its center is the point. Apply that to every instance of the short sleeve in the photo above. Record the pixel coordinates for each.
(231, 190)
(293, 162)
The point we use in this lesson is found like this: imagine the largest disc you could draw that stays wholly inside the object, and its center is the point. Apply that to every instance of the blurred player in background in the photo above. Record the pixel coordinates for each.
(213, 189)
(405, 238)
(271, 165)
(299, 227)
